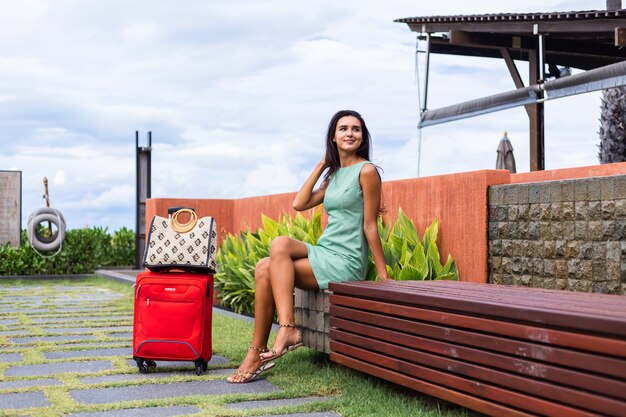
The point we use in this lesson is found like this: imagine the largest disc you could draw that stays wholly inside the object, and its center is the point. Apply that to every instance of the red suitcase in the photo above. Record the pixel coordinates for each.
(172, 319)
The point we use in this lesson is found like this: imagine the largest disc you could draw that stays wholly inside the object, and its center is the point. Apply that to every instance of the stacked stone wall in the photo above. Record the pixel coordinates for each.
(568, 235)
(311, 314)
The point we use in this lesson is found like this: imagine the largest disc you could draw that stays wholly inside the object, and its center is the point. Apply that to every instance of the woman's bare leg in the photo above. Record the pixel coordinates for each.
(263, 317)
(264, 306)
(289, 267)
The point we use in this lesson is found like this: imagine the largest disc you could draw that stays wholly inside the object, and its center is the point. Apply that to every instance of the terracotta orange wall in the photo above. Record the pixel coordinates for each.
(570, 173)
(459, 201)
(247, 211)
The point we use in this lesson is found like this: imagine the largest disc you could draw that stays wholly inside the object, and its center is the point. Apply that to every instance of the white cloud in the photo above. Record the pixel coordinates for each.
(59, 178)
(114, 197)
(238, 95)
(274, 178)
(140, 32)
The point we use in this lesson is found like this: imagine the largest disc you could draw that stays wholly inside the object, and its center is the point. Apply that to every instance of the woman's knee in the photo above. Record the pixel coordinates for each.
(280, 246)
(262, 270)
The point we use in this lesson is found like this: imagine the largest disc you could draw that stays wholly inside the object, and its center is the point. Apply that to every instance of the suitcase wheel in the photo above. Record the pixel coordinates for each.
(201, 366)
(145, 366)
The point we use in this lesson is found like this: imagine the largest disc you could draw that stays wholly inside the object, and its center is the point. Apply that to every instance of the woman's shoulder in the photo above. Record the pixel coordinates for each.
(368, 166)
(369, 170)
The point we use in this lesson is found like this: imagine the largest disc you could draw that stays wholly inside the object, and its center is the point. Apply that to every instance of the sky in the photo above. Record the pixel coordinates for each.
(238, 95)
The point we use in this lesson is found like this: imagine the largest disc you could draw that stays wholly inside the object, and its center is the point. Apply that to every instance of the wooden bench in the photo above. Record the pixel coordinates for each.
(499, 350)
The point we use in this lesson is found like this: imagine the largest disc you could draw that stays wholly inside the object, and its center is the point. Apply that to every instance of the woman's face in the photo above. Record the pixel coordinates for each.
(348, 134)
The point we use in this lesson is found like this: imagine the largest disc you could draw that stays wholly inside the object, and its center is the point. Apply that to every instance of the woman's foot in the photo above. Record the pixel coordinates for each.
(288, 339)
(251, 367)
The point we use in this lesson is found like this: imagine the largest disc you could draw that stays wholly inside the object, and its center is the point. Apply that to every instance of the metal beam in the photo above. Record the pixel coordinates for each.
(574, 53)
(620, 37)
(611, 76)
(517, 79)
(536, 114)
(525, 27)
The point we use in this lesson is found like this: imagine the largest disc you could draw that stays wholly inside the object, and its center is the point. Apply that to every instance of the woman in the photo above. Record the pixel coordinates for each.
(351, 193)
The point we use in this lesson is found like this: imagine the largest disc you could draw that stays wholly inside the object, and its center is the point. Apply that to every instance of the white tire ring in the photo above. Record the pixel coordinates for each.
(46, 245)
(46, 214)
(45, 210)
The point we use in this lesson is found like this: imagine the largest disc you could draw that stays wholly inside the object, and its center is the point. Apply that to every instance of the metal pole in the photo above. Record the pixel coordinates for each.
(424, 102)
(425, 107)
(541, 53)
(144, 167)
(149, 167)
(137, 200)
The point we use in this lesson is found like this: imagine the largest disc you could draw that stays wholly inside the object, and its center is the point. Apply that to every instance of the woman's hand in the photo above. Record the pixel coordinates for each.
(383, 274)
(307, 197)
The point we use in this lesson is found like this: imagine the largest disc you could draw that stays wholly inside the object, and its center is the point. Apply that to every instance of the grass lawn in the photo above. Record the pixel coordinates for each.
(298, 374)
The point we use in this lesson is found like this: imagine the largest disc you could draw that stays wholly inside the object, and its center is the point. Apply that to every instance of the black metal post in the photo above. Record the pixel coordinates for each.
(144, 168)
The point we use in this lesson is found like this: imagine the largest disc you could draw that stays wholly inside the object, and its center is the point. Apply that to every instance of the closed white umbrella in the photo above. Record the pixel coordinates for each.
(505, 159)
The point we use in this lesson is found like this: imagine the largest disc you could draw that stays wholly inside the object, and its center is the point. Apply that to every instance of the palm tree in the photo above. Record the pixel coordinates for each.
(613, 126)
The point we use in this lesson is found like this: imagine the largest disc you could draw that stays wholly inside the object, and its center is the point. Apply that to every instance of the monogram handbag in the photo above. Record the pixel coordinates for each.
(189, 246)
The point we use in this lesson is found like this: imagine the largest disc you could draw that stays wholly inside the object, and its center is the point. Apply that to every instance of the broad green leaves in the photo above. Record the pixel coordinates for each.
(407, 256)
(238, 255)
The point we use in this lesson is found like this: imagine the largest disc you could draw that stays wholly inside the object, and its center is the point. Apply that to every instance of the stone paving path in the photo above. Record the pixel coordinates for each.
(68, 348)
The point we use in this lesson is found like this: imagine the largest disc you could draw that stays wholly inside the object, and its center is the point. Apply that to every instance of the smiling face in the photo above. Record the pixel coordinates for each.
(348, 134)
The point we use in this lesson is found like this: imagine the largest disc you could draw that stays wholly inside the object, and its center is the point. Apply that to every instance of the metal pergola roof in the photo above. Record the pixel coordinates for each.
(587, 40)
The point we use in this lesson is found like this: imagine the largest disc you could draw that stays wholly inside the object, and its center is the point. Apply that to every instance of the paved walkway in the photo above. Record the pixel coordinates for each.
(68, 347)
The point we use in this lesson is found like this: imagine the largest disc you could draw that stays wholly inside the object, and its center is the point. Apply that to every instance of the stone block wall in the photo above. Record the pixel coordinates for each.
(568, 235)
(10, 207)
(311, 314)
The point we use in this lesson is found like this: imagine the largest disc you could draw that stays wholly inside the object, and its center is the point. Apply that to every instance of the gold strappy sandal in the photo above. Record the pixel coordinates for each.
(286, 349)
(250, 376)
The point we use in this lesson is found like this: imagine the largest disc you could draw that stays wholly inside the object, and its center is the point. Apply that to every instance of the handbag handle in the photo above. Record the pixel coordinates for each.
(173, 210)
(184, 227)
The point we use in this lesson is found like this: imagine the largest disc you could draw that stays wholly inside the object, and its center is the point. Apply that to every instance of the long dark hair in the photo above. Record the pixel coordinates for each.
(332, 154)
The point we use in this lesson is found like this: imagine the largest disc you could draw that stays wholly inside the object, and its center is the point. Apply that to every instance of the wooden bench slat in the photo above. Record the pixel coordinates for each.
(463, 287)
(541, 371)
(565, 301)
(462, 399)
(559, 299)
(595, 323)
(581, 341)
(571, 358)
(467, 385)
(546, 390)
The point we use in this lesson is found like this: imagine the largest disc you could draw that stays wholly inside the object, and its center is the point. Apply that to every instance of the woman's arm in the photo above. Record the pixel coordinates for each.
(306, 197)
(371, 186)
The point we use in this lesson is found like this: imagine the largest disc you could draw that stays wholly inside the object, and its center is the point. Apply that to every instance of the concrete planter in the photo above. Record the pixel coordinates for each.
(311, 313)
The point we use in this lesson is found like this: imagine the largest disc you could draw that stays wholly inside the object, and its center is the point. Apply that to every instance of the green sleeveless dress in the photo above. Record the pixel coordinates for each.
(342, 250)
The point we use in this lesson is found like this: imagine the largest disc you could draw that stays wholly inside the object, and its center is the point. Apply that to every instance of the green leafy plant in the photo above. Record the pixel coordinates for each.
(122, 248)
(83, 251)
(239, 254)
(407, 256)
